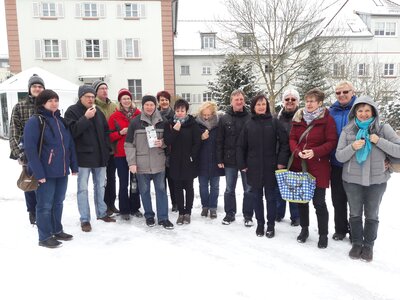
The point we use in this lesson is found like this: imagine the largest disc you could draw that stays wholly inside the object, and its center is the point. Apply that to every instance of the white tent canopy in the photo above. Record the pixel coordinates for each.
(9, 89)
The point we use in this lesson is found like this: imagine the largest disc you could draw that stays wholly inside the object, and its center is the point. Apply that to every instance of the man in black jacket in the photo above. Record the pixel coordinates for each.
(229, 129)
(89, 129)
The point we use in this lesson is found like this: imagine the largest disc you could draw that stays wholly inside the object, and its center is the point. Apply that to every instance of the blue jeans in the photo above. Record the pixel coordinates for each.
(258, 204)
(30, 199)
(209, 190)
(50, 196)
(281, 207)
(365, 199)
(231, 176)
(99, 179)
(128, 203)
(161, 195)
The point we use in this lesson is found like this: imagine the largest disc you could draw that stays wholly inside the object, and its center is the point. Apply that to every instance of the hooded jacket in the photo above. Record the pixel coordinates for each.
(371, 171)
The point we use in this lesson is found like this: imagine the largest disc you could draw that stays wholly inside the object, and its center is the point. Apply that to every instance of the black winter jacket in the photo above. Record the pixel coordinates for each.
(229, 127)
(91, 136)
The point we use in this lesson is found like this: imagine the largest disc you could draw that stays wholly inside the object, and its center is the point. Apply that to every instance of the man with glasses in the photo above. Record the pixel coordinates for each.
(290, 104)
(107, 107)
(339, 111)
(21, 112)
(89, 129)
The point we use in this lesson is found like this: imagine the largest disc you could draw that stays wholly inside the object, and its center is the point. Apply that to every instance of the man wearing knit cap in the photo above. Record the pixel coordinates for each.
(21, 112)
(90, 131)
(108, 107)
(146, 158)
(290, 104)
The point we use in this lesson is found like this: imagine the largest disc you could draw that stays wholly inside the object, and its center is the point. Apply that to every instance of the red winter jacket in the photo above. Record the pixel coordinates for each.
(322, 139)
(117, 122)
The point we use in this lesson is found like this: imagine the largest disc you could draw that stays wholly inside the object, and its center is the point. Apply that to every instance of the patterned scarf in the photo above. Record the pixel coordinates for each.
(182, 120)
(363, 134)
(128, 113)
(311, 116)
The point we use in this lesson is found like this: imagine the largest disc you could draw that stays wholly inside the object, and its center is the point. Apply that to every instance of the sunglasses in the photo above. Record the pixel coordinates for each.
(290, 99)
(343, 92)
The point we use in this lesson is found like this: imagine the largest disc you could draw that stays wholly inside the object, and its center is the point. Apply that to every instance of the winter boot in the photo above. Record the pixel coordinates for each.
(204, 212)
(270, 232)
(367, 254)
(179, 221)
(355, 252)
(303, 235)
(260, 230)
(213, 213)
(323, 241)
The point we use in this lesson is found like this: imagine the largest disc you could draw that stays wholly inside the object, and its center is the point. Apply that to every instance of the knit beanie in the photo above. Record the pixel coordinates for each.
(45, 96)
(149, 98)
(291, 92)
(35, 79)
(123, 92)
(96, 84)
(84, 89)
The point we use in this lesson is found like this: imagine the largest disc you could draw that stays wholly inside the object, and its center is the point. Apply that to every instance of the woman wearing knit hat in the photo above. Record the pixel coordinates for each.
(129, 203)
(50, 167)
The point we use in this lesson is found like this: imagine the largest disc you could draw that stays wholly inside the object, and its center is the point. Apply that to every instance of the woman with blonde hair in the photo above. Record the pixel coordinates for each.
(209, 172)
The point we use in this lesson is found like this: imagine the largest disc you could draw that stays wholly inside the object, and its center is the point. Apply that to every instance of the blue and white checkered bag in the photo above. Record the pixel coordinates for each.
(296, 187)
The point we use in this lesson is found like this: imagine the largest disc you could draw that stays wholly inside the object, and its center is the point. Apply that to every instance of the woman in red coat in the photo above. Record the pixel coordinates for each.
(314, 148)
(129, 204)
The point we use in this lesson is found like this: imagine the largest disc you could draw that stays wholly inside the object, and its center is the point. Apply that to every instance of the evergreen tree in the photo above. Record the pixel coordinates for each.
(233, 75)
(313, 73)
(390, 112)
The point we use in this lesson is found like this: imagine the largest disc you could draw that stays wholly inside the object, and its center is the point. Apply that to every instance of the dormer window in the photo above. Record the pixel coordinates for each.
(207, 40)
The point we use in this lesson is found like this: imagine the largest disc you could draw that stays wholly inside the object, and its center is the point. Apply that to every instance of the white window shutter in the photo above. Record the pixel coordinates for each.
(120, 13)
(366, 69)
(36, 9)
(60, 8)
(79, 48)
(143, 11)
(78, 10)
(136, 48)
(381, 69)
(105, 48)
(38, 49)
(120, 47)
(102, 9)
(64, 52)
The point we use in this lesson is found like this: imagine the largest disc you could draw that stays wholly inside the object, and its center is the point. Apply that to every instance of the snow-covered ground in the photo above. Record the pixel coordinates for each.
(203, 260)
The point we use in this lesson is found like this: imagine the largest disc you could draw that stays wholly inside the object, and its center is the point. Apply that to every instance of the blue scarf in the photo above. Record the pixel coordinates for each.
(362, 154)
(181, 120)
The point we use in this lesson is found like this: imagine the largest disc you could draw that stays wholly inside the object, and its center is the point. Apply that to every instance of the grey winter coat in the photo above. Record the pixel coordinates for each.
(148, 160)
(373, 170)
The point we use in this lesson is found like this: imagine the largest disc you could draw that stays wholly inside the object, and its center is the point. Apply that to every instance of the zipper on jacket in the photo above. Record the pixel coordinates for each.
(62, 144)
(50, 156)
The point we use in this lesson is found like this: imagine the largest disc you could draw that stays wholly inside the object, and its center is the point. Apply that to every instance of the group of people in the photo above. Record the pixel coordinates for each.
(344, 146)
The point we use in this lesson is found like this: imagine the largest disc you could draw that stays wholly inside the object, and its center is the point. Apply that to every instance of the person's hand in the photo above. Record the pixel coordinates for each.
(245, 170)
(374, 138)
(158, 143)
(74, 174)
(43, 180)
(205, 135)
(357, 145)
(279, 166)
(133, 169)
(90, 112)
(306, 154)
(123, 131)
(177, 126)
(221, 166)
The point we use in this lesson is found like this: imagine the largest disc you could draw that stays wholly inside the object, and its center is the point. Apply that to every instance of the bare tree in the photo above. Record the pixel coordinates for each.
(275, 36)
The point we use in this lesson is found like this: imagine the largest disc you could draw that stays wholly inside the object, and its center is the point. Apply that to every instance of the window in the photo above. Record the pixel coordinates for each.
(92, 49)
(128, 48)
(131, 11)
(385, 28)
(207, 40)
(185, 70)
(49, 10)
(186, 96)
(388, 70)
(207, 96)
(135, 87)
(362, 70)
(268, 69)
(90, 10)
(245, 40)
(206, 70)
(50, 49)
(338, 70)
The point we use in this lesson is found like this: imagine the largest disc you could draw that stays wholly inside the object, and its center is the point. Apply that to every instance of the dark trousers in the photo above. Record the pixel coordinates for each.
(258, 205)
(30, 199)
(170, 186)
(110, 193)
(128, 202)
(339, 201)
(186, 185)
(320, 209)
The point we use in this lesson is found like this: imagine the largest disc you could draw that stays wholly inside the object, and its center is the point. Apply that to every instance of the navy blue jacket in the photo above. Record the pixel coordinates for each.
(58, 151)
(340, 115)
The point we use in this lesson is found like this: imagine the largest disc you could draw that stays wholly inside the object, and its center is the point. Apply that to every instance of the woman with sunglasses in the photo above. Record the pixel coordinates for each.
(339, 111)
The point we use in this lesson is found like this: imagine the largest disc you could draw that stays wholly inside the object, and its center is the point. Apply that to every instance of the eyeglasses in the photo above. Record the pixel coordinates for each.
(343, 92)
(290, 99)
